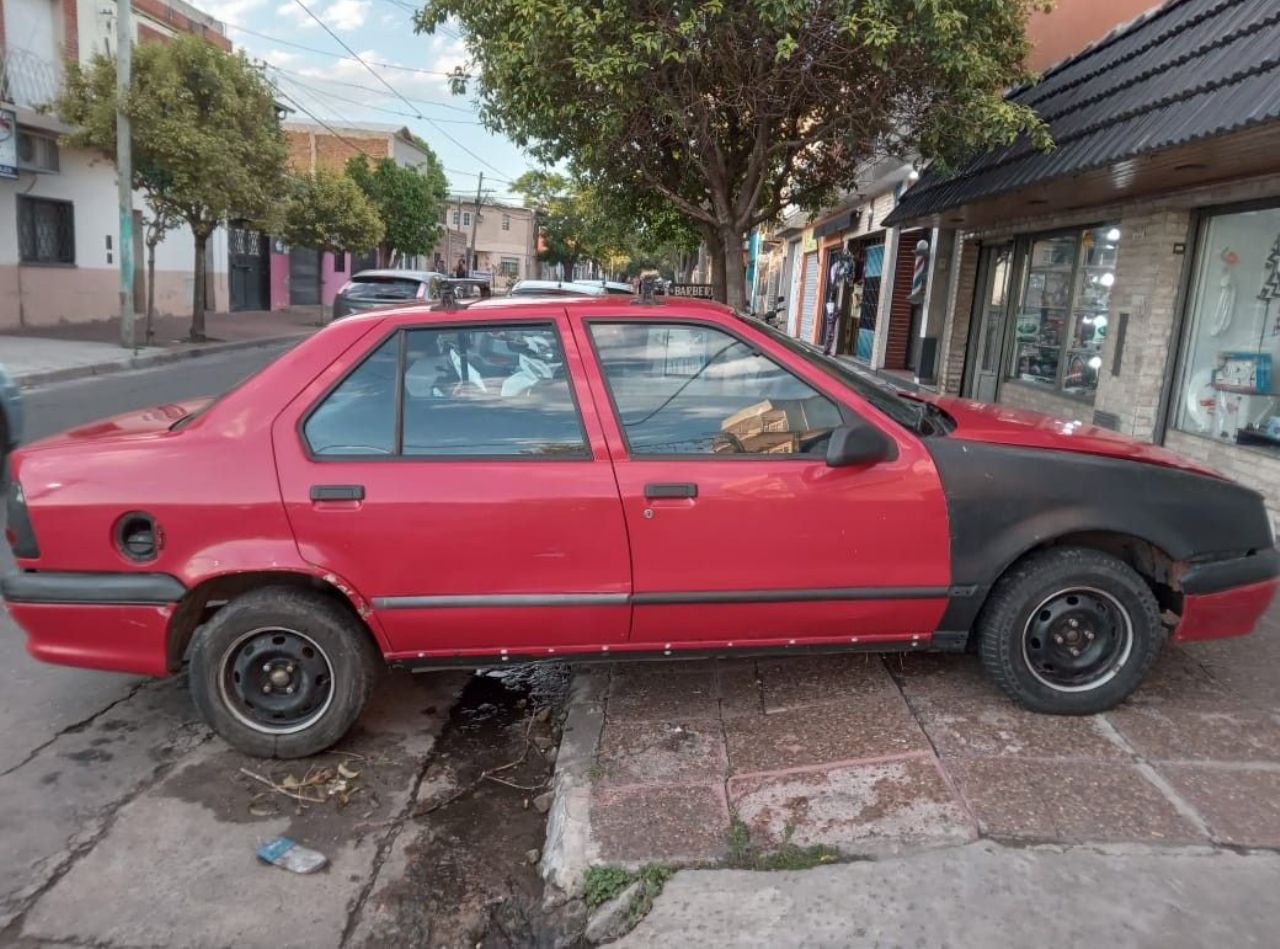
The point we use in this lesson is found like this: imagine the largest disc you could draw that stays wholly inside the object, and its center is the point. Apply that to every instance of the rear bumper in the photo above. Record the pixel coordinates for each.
(115, 621)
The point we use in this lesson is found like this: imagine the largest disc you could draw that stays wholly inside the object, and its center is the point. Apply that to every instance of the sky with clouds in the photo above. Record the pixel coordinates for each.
(315, 75)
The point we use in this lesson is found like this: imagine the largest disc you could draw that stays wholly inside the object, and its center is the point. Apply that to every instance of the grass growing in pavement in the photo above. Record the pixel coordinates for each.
(602, 884)
(745, 855)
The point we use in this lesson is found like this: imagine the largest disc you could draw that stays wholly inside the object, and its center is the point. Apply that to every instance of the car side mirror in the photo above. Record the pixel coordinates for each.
(859, 444)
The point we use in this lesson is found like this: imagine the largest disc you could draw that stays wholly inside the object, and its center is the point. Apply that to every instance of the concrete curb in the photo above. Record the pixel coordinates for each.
(49, 377)
(569, 850)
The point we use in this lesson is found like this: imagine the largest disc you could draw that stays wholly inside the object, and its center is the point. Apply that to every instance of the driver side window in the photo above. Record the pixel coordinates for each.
(687, 389)
(488, 391)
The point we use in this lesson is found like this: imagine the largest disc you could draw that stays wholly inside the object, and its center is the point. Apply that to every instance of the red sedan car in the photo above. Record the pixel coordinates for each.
(608, 480)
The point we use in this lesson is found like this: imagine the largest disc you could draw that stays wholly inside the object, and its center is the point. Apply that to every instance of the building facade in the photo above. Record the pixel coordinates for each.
(59, 219)
(506, 239)
(1131, 277)
(266, 272)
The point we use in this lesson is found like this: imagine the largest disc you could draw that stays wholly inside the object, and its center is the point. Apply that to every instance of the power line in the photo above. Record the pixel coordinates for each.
(393, 89)
(409, 115)
(354, 55)
(325, 52)
(356, 85)
(452, 34)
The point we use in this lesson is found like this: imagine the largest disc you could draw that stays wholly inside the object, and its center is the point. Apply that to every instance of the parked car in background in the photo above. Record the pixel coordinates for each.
(554, 288)
(10, 418)
(376, 289)
(602, 479)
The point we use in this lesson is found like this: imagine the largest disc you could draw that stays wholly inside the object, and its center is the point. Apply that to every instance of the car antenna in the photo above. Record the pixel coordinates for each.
(648, 293)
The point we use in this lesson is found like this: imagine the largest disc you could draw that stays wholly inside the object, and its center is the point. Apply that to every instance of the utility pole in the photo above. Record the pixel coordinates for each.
(475, 221)
(124, 166)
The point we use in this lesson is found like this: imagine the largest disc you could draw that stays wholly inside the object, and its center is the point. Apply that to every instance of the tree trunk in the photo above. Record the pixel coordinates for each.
(735, 270)
(715, 254)
(151, 289)
(197, 304)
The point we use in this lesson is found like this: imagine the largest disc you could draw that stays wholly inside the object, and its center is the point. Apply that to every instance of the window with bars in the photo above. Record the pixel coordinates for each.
(506, 222)
(46, 231)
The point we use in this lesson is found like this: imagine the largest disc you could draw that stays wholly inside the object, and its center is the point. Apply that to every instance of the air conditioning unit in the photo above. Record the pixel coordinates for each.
(38, 153)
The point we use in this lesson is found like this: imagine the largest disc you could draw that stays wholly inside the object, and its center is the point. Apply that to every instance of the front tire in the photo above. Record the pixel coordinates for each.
(1070, 631)
(282, 673)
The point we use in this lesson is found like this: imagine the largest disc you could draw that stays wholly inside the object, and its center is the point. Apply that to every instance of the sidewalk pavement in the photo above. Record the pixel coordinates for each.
(982, 894)
(699, 763)
(44, 354)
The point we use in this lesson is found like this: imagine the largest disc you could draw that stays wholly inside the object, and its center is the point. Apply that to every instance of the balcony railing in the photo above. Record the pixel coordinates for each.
(28, 78)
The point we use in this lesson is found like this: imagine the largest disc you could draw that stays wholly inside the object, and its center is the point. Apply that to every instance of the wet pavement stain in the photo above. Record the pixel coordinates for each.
(468, 877)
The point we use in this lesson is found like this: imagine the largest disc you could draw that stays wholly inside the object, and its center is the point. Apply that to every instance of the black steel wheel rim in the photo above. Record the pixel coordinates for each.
(1077, 639)
(276, 680)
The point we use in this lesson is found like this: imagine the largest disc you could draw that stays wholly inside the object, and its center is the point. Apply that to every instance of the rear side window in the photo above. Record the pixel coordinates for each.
(684, 389)
(495, 391)
(385, 288)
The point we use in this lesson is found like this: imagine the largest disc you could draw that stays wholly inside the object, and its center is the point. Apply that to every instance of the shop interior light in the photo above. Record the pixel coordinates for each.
(1095, 362)
(1107, 279)
(1113, 234)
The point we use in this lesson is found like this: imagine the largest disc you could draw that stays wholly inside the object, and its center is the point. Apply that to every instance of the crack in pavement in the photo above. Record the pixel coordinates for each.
(76, 727)
(384, 848)
(11, 933)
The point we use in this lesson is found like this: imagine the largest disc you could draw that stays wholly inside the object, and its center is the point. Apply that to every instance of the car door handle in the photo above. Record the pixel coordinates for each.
(337, 492)
(671, 490)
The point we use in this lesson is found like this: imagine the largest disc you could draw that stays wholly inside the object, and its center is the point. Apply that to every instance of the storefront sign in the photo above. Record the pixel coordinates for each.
(703, 291)
(808, 242)
(8, 143)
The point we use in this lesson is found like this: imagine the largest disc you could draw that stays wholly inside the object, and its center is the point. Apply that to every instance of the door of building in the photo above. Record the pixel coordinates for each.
(304, 276)
(249, 267)
(992, 305)
(809, 298)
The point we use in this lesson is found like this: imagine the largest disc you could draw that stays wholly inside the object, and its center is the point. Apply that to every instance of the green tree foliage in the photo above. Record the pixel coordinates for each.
(207, 144)
(567, 222)
(732, 111)
(410, 202)
(328, 211)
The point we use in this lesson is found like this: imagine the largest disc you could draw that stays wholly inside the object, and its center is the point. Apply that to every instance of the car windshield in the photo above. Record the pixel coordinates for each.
(899, 406)
(382, 288)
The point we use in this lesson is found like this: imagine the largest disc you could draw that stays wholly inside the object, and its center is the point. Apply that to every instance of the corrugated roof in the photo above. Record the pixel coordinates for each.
(1189, 70)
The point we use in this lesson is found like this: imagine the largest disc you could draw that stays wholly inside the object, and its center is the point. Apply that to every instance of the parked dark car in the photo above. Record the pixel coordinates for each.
(10, 418)
(376, 289)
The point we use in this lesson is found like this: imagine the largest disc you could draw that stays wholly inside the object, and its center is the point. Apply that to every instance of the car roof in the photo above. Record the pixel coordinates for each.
(566, 287)
(606, 306)
(406, 274)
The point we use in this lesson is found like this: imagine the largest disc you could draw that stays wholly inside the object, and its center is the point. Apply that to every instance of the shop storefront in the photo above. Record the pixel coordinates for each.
(1227, 389)
(1043, 314)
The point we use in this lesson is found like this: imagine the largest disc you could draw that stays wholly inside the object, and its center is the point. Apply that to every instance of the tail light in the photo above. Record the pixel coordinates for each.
(422, 292)
(18, 531)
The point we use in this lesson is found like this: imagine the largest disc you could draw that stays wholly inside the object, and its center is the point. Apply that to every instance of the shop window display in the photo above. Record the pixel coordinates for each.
(1063, 310)
(1229, 388)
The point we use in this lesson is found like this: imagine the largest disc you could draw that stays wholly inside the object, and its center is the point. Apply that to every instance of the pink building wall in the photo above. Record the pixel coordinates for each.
(331, 279)
(279, 280)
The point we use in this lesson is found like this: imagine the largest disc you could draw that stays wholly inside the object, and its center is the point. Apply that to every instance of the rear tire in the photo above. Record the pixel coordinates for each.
(1070, 631)
(282, 673)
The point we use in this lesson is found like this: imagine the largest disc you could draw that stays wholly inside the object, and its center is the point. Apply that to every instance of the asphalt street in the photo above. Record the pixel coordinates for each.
(38, 701)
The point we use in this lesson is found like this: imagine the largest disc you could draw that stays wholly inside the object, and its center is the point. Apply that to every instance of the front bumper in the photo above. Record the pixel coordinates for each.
(114, 621)
(1227, 597)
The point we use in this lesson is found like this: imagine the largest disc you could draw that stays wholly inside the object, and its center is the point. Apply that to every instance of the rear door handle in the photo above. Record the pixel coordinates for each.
(671, 490)
(337, 492)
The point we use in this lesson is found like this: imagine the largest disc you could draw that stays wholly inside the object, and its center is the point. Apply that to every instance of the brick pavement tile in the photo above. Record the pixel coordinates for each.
(903, 802)
(661, 753)
(812, 680)
(645, 824)
(1181, 679)
(1066, 801)
(686, 696)
(997, 728)
(872, 726)
(1241, 806)
(740, 690)
(941, 674)
(1176, 734)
